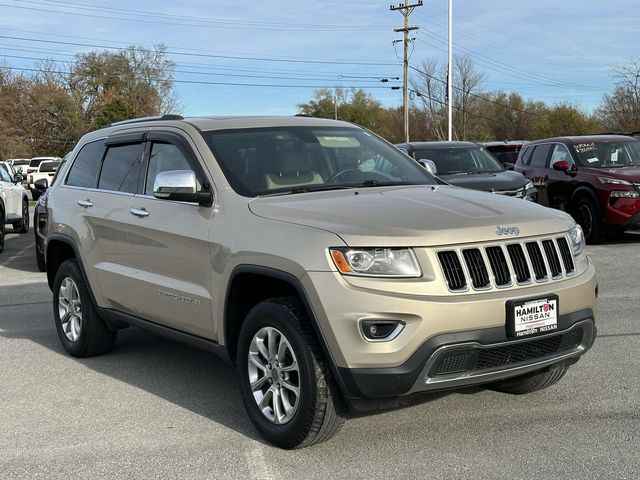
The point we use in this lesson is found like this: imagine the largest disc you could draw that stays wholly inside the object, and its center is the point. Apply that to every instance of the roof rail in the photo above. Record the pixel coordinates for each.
(145, 119)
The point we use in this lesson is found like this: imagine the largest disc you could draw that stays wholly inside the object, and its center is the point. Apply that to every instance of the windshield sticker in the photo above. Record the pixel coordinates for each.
(338, 141)
(584, 147)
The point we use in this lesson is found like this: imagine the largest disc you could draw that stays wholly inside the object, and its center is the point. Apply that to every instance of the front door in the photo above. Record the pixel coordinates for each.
(169, 246)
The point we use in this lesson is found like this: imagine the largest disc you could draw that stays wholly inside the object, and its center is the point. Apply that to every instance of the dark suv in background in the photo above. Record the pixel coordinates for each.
(595, 178)
(467, 164)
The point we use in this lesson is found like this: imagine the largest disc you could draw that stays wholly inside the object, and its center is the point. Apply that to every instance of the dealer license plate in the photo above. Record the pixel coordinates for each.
(533, 316)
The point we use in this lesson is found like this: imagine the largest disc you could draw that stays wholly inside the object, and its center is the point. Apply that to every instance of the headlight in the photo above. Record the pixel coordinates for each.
(576, 240)
(614, 181)
(522, 191)
(624, 194)
(376, 262)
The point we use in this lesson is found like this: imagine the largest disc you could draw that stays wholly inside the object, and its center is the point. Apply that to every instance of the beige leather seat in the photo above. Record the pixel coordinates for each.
(293, 170)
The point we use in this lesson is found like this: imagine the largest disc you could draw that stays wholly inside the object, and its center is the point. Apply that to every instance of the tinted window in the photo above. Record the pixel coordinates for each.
(525, 155)
(539, 156)
(47, 167)
(35, 162)
(84, 171)
(121, 168)
(164, 157)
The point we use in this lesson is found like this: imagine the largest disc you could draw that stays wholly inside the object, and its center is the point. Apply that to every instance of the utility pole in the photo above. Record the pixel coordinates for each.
(450, 74)
(406, 10)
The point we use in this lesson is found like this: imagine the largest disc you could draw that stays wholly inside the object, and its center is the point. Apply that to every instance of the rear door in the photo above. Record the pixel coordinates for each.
(169, 244)
(536, 170)
(96, 196)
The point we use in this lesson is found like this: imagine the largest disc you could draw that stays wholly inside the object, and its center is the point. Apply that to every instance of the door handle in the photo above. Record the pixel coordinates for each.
(85, 203)
(139, 212)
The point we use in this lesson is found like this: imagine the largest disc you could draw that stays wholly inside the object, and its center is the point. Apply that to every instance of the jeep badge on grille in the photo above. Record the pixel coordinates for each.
(507, 231)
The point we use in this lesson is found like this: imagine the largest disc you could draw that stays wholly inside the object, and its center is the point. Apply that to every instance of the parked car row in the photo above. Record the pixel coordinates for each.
(34, 169)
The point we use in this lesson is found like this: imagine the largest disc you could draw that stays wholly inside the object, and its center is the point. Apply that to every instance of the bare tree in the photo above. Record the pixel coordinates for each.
(430, 86)
(620, 110)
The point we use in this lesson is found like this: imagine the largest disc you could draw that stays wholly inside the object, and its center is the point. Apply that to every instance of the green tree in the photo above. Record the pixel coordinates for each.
(565, 119)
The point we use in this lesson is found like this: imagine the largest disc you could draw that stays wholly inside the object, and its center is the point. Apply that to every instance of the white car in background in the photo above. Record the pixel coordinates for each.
(14, 204)
(46, 170)
(20, 164)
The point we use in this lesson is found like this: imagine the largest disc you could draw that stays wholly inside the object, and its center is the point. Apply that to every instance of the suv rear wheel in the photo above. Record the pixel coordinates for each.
(81, 331)
(532, 382)
(23, 225)
(284, 381)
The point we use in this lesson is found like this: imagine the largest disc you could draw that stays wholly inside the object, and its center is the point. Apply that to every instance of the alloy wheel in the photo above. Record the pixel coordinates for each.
(274, 375)
(70, 309)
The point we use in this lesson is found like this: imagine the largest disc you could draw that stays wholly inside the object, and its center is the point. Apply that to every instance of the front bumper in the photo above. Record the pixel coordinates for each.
(461, 359)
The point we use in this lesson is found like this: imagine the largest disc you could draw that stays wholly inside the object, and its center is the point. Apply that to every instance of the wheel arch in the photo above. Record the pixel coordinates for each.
(584, 191)
(59, 248)
(261, 283)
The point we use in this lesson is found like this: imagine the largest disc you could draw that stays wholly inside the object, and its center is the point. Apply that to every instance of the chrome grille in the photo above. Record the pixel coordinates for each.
(500, 266)
(453, 273)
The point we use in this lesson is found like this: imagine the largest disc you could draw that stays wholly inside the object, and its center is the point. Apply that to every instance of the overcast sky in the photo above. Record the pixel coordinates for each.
(546, 49)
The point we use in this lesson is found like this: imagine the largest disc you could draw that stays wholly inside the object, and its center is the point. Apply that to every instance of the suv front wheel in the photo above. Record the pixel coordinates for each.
(81, 331)
(284, 381)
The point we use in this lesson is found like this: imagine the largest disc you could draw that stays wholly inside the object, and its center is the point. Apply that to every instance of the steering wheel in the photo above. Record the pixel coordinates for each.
(367, 175)
(336, 176)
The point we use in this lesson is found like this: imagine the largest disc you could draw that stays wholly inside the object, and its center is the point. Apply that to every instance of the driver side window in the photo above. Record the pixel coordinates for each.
(560, 152)
(165, 157)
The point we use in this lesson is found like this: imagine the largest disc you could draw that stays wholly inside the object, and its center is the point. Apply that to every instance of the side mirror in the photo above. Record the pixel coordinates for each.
(180, 185)
(429, 165)
(41, 184)
(561, 166)
(508, 165)
(17, 178)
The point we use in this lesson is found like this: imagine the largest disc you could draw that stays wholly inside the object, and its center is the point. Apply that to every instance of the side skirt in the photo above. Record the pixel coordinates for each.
(116, 319)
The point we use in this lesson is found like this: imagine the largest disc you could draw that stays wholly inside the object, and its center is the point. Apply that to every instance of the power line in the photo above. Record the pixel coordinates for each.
(201, 23)
(203, 55)
(202, 82)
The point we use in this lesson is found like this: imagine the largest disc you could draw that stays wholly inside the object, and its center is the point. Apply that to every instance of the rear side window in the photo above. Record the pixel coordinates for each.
(84, 171)
(540, 155)
(525, 155)
(121, 168)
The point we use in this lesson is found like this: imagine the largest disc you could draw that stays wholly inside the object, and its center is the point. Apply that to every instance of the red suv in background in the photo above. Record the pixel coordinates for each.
(595, 178)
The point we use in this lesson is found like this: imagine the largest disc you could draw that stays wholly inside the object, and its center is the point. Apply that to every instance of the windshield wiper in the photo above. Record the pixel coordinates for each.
(305, 189)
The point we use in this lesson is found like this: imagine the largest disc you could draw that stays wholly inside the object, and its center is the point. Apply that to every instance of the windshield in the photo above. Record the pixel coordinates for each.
(458, 160)
(262, 161)
(608, 154)
(35, 162)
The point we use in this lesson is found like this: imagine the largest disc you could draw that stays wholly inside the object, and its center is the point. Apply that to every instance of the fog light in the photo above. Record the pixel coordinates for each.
(381, 330)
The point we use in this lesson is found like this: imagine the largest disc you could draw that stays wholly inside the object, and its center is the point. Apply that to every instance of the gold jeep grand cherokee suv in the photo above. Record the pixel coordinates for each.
(331, 269)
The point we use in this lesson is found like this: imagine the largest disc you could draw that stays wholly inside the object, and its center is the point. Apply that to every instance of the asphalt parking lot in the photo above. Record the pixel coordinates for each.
(157, 409)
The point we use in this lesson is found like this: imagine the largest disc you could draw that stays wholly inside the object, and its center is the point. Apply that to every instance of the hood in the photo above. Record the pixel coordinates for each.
(630, 174)
(412, 215)
(506, 180)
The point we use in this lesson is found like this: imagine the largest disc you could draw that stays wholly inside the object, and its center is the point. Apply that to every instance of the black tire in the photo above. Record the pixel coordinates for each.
(532, 382)
(316, 418)
(2, 231)
(40, 259)
(587, 215)
(23, 225)
(94, 338)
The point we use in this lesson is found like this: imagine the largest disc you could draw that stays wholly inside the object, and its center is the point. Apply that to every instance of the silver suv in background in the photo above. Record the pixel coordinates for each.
(333, 271)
